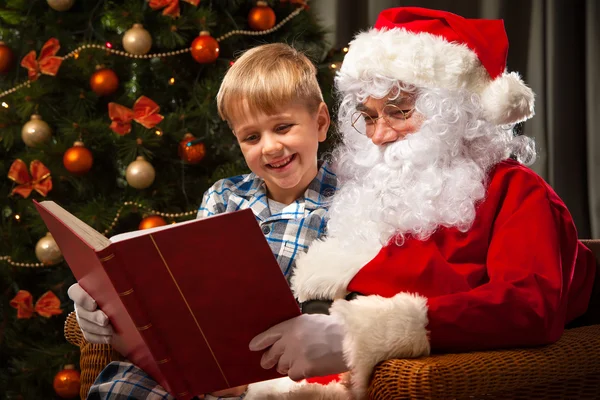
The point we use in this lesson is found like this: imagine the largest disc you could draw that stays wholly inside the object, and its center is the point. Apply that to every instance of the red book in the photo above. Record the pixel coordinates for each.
(185, 299)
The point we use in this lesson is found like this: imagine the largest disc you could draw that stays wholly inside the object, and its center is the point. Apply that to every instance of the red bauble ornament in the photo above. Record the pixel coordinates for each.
(67, 382)
(205, 49)
(190, 152)
(78, 159)
(152, 222)
(7, 58)
(261, 17)
(104, 82)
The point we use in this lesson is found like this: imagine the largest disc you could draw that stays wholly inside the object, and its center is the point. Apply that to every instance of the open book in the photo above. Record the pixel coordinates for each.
(185, 299)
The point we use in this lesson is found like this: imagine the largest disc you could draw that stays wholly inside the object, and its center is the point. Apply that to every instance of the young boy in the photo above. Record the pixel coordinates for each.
(272, 101)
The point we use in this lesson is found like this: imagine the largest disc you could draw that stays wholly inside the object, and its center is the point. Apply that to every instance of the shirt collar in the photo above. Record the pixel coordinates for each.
(317, 195)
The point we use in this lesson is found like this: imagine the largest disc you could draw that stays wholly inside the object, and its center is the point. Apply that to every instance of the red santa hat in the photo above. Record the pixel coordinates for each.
(438, 49)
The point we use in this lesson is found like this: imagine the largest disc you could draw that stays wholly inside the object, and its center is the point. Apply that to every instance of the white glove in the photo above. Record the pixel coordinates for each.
(94, 324)
(303, 347)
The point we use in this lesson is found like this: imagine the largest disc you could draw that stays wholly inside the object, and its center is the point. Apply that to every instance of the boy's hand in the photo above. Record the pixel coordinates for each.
(94, 324)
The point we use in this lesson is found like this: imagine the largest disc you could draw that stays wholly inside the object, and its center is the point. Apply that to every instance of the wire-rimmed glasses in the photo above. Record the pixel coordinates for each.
(393, 115)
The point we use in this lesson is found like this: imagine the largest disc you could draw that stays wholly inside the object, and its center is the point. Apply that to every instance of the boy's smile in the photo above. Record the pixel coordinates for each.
(281, 147)
(280, 164)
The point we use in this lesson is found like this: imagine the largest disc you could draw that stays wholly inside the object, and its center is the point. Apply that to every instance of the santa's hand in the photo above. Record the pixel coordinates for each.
(303, 347)
(94, 324)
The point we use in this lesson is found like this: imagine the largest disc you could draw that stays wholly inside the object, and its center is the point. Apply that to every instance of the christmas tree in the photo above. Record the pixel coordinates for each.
(108, 108)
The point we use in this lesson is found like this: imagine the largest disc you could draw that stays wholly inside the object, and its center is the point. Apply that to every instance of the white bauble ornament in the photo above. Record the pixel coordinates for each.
(61, 5)
(137, 40)
(47, 251)
(36, 131)
(140, 173)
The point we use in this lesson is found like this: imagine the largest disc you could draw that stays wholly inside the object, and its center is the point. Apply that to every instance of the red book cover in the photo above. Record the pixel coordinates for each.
(186, 299)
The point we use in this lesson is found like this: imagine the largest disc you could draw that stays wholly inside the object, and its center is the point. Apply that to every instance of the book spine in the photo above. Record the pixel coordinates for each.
(177, 385)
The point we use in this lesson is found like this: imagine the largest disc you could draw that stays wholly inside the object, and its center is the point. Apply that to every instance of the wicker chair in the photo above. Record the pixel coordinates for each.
(567, 369)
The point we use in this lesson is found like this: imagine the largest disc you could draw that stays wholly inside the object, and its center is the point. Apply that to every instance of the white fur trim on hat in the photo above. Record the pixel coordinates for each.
(379, 329)
(426, 60)
(507, 100)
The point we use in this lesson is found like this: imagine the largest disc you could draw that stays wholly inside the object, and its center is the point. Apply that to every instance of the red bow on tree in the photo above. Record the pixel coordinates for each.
(145, 112)
(46, 306)
(171, 7)
(301, 3)
(47, 64)
(39, 180)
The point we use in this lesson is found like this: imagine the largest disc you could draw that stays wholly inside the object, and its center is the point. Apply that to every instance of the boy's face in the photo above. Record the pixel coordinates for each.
(281, 148)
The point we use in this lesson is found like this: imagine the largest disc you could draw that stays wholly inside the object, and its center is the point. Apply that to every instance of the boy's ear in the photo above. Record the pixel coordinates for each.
(323, 121)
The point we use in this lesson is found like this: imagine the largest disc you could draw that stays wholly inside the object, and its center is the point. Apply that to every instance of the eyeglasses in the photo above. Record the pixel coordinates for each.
(393, 115)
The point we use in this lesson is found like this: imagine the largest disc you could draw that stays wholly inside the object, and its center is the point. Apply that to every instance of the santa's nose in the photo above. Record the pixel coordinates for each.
(384, 134)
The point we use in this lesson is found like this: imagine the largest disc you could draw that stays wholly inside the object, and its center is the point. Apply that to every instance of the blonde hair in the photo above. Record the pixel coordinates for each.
(267, 77)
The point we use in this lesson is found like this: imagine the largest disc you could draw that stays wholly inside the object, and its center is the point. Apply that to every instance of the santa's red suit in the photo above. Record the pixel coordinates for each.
(513, 280)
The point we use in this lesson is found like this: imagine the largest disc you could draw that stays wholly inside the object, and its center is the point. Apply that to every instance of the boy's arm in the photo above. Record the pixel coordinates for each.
(213, 201)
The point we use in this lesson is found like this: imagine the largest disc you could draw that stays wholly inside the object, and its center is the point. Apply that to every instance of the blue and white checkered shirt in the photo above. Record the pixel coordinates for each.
(289, 232)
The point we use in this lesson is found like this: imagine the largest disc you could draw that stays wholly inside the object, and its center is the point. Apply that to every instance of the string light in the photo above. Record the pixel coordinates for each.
(158, 132)
(333, 66)
(149, 211)
(191, 213)
(345, 49)
(171, 81)
(75, 54)
(109, 46)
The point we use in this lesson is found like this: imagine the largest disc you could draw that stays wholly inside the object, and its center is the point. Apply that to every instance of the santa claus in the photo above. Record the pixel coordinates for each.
(440, 238)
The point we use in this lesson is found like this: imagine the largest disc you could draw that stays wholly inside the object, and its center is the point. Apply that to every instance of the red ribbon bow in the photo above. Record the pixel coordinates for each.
(145, 112)
(171, 7)
(39, 180)
(47, 64)
(46, 306)
(301, 3)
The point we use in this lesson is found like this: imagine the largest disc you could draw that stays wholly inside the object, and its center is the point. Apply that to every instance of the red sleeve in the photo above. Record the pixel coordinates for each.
(530, 262)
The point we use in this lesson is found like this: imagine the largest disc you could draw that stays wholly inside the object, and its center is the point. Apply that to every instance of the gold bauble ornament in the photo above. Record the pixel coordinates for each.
(205, 48)
(104, 81)
(78, 160)
(61, 5)
(140, 173)
(261, 17)
(67, 382)
(152, 222)
(36, 131)
(7, 58)
(47, 251)
(137, 40)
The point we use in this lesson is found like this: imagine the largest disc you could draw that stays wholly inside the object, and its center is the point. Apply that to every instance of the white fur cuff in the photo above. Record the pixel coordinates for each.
(379, 329)
(326, 269)
(286, 389)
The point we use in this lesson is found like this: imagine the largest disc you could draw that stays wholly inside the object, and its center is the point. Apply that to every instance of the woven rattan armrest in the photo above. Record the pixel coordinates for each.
(573, 358)
(93, 358)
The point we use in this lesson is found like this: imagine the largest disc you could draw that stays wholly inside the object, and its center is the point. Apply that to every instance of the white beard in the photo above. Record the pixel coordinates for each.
(411, 187)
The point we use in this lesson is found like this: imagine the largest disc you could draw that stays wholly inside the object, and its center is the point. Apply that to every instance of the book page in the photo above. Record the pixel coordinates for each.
(132, 234)
(86, 232)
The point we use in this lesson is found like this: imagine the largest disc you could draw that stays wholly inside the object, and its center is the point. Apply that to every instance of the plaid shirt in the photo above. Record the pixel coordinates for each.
(288, 233)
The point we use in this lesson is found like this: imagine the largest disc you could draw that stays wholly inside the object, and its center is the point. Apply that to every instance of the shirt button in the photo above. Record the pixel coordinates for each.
(266, 229)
